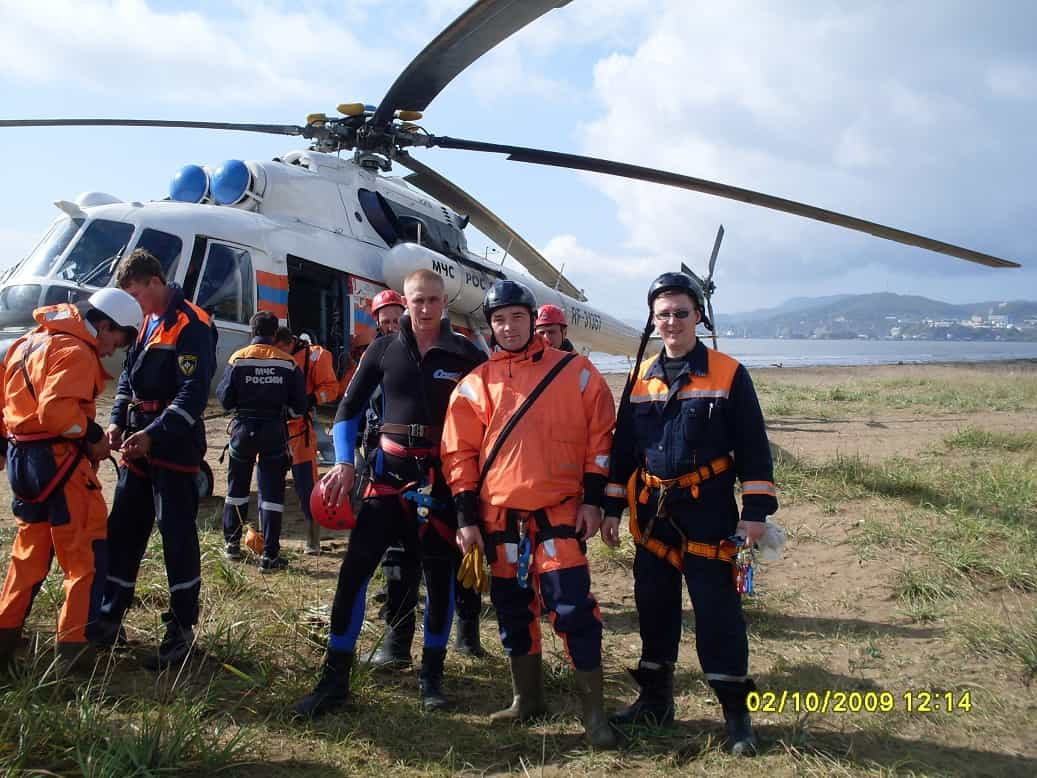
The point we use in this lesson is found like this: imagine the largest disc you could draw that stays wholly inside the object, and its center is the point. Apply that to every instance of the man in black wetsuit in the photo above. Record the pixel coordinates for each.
(407, 501)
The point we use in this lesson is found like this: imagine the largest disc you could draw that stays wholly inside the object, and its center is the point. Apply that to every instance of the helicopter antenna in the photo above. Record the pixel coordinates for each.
(507, 250)
(559, 279)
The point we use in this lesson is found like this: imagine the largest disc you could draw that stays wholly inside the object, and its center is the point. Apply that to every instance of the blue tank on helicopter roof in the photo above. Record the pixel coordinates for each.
(189, 185)
(231, 182)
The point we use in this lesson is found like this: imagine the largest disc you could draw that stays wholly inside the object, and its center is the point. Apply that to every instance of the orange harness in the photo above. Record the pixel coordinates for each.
(725, 550)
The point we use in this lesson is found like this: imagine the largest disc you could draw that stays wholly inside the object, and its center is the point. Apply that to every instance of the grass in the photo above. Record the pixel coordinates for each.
(971, 391)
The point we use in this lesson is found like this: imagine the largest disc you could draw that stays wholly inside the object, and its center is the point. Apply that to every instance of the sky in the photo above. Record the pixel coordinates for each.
(919, 115)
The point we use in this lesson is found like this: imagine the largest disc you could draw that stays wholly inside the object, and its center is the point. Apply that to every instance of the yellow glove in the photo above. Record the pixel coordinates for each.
(472, 572)
(482, 581)
(465, 573)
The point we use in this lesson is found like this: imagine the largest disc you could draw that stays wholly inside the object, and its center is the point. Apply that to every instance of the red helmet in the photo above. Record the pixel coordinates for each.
(550, 314)
(338, 517)
(384, 298)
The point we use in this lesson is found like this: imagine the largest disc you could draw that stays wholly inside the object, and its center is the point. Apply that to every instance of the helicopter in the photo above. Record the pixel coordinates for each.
(313, 234)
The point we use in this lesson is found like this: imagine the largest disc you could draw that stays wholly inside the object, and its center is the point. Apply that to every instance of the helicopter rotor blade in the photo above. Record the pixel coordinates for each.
(275, 129)
(428, 180)
(485, 24)
(716, 250)
(608, 167)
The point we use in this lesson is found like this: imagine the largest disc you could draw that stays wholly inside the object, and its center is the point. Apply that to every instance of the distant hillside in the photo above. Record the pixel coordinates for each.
(886, 315)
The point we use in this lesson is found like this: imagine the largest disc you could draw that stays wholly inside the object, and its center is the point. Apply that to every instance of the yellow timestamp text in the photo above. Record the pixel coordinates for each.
(835, 701)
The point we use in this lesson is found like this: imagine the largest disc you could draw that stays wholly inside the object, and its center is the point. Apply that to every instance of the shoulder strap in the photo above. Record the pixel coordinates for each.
(514, 420)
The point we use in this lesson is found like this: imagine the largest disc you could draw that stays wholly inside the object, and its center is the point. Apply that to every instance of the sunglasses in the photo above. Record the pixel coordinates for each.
(683, 313)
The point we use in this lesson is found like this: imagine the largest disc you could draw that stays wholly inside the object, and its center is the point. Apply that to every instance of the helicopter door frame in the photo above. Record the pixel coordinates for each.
(256, 256)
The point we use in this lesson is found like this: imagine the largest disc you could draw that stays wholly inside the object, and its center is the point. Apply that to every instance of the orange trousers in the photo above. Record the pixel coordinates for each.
(80, 547)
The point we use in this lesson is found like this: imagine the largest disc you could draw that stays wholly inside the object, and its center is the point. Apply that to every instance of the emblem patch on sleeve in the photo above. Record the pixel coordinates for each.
(188, 363)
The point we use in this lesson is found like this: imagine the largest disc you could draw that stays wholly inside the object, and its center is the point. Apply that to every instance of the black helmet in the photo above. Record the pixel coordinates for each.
(504, 293)
(680, 282)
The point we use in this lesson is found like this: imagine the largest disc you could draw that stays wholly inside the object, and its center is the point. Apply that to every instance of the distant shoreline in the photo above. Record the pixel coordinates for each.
(1028, 363)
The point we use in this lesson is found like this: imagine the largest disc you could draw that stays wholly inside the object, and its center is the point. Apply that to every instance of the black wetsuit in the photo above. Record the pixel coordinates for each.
(416, 391)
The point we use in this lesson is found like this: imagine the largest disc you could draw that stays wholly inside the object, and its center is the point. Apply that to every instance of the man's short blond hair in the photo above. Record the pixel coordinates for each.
(423, 274)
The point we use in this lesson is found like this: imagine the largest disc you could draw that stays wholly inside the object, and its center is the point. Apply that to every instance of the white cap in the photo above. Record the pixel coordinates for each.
(118, 306)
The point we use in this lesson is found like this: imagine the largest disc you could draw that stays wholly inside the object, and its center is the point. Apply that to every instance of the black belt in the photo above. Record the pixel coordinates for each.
(413, 431)
(510, 534)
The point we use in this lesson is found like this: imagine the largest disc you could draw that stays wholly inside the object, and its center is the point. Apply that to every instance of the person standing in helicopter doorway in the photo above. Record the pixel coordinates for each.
(690, 425)
(156, 421)
(318, 372)
(264, 389)
(407, 499)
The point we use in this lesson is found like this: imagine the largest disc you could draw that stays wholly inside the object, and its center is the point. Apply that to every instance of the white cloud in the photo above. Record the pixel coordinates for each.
(831, 105)
(125, 47)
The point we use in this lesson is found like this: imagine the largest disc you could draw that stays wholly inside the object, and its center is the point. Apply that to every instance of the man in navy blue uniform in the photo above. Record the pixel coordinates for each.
(691, 427)
(264, 388)
(156, 421)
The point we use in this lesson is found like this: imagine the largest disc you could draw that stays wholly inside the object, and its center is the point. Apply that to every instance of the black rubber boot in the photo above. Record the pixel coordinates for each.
(468, 641)
(174, 649)
(332, 690)
(76, 657)
(9, 639)
(598, 731)
(431, 679)
(527, 683)
(741, 740)
(654, 703)
(393, 655)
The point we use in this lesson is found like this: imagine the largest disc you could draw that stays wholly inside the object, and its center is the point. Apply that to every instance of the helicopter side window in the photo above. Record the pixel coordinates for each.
(93, 258)
(54, 242)
(226, 286)
(164, 246)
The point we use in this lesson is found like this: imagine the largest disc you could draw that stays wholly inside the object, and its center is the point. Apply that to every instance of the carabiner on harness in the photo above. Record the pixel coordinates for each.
(744, 565)
(525, 554)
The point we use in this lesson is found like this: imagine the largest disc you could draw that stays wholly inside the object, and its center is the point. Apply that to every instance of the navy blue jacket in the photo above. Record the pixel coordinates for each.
(709, 411)
(173, 369)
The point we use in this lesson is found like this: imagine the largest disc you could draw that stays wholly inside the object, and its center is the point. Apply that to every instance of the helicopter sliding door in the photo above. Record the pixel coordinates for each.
(223, 285)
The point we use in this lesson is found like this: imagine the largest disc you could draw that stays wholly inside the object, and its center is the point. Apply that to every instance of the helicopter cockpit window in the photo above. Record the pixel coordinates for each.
(53, 243)
(164, 246)
(226, 286)
(92, 260)
(379, 215)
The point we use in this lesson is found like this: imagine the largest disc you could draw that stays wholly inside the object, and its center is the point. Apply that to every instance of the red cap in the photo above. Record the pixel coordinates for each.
(387, 297)
(550, 314)
(337, 517)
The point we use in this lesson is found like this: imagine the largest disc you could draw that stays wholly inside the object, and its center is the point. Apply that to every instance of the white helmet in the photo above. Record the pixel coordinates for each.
(118, 306)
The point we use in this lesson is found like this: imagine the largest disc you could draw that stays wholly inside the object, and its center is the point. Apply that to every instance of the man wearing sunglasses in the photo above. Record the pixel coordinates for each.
(691, 426)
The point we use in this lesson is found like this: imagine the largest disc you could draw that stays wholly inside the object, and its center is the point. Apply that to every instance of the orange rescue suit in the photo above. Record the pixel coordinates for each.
(322, 388)
(561, 443)
(51, 378)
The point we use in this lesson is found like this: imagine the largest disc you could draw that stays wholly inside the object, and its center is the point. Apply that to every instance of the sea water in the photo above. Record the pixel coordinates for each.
(773, 352)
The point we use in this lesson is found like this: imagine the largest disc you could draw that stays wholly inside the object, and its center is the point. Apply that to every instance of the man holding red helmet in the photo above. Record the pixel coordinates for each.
(550, 324)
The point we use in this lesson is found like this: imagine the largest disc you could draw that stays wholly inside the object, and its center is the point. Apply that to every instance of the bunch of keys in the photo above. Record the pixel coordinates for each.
(745, 563)
(525, 552)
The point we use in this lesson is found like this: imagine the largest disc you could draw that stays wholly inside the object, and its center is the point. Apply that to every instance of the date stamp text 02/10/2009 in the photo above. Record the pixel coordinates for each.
(834, 701)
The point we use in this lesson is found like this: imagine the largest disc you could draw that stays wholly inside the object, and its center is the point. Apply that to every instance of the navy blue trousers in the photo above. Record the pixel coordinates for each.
(247, 445)
(141, 498)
